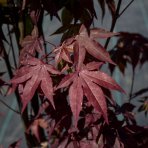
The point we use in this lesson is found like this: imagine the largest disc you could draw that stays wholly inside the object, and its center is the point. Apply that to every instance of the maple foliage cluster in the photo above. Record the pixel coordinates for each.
(82, 78)
(64, 97)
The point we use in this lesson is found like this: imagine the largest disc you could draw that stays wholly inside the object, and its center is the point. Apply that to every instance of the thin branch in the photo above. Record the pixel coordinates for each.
(50, 44)
(13, 52)
(9, 107)
(10, 73)
(46, 55)
(132, 85)
(117, 15)
(8, 65)
(113, 22)
(125, 8)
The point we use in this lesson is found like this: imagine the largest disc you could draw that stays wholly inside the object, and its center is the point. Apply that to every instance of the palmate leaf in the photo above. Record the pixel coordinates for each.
(31, 44)
(87, 42)
(63, 51)
(86, 81)
(34, 74)
(82, 43)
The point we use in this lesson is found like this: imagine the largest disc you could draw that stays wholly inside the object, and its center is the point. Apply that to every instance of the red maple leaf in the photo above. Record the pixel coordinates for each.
(31, 44)
(63, 51)
(87, 82)
(83, 42)
(86, 42)
(35, 73)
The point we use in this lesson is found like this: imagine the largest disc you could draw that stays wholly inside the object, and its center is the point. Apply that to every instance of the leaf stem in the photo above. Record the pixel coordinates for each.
(4, 103)
(50, 43)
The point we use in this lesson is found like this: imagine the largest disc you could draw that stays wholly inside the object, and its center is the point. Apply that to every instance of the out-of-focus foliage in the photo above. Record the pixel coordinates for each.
(130, 48)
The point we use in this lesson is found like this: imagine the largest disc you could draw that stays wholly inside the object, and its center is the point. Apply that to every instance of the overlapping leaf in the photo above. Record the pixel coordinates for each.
(82, 43)
(34, 74)
(110, 4)
(87, 42)
(63, 51)
(87, 82)
(31, 44)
